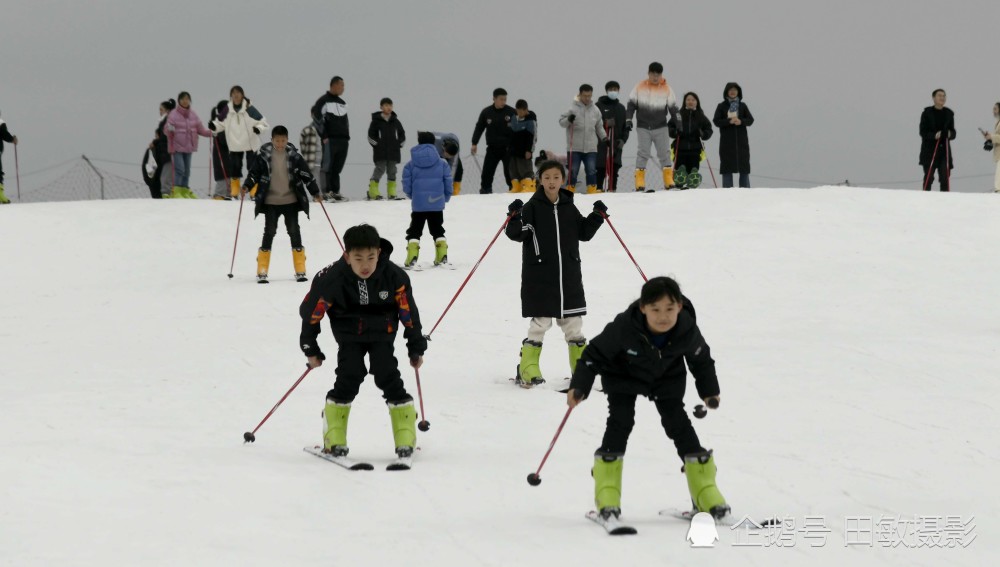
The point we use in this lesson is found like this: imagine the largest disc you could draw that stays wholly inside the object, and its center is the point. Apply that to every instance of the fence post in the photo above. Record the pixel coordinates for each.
(101, 177)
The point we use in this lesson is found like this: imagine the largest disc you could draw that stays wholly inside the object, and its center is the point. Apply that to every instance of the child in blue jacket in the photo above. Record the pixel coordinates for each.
(427, 182)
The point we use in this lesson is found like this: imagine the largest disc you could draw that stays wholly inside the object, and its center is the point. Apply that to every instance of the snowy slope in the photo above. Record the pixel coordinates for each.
(855, 333)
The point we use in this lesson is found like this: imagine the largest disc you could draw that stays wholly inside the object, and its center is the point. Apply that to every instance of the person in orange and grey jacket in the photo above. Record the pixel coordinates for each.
(937, 130)
(283, 179)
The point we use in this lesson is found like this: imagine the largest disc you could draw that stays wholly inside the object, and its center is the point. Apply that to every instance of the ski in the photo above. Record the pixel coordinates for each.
(612, 525)
(347, 463)
(413, 268)
(726, 520)
(400, 464)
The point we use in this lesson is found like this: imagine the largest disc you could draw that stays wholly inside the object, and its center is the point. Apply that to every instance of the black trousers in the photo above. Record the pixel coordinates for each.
(459, 170)
(434, 220)
(690, 160)
(235, 167)
(351, 372)
(291, 214)
(673, 418)
(494, 157)
(942, 172)
(602, 166)
(338, 157)
(1, 168)
(155, 189)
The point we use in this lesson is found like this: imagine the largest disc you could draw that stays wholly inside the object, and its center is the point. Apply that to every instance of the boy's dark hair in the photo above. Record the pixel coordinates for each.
(657, 288)
(585, 88)
(336, 79)
(612, 85)
(655, 67)
(936, 91)
(551, 164)
(425, 137)
(499, 91)
(521, 104)
(237, 89)
(450, 147)
(279, 130)
(361, 237)
(385, 100)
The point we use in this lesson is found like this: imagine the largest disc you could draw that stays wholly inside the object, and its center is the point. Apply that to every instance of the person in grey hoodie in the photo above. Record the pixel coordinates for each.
(584, 130)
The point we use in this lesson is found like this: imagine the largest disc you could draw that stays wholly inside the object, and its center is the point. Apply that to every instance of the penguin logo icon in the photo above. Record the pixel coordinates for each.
(702, 532)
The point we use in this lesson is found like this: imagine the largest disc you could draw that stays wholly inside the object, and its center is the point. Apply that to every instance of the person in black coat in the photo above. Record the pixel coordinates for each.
(283, 178)
(368, 299)
(330, 111)
(642, 353)
(386, 136)
(690, 136)
(732, 117)
(937, 129)
(495, 121)
(610, 150)
(163, 176)
(220, 148)
(550, 228)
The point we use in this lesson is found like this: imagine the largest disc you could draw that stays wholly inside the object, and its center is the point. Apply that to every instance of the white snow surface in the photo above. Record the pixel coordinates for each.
(855, 333)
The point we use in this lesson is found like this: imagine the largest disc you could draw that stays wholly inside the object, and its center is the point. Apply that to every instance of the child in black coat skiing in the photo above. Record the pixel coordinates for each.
(642, 353)
(367, 299)
(550, 228)
(283, 179)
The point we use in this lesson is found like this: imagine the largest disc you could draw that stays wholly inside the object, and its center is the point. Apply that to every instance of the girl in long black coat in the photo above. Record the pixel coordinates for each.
(690, 138)
(937, 129)
(550, 228)
(732, 117)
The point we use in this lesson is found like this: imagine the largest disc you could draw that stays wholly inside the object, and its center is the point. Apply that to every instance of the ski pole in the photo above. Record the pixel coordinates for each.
(627, 251)
(474, 268)
(930, 167)
(337, 236)
(609, 162)
(237, 239)
(424, 425)
(947, 162)
(210, 171)
(479, 167)
(709, 164)
(17, 173)
(533, 478)
(249, 437)
(569, 157)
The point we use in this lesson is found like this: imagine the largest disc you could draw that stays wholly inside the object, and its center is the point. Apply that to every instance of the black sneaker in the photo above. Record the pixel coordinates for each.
(335, 198)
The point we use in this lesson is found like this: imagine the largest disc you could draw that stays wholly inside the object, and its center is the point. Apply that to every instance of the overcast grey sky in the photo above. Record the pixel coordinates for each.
(836, 87)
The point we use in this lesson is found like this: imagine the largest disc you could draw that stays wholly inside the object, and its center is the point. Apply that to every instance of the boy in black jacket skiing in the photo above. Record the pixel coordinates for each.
(642, 352)
(386, 136)
(550, 228)
(367, 299)
(282, 177)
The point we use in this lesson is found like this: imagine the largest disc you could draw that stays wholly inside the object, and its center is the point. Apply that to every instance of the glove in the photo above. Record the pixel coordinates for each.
(256, 130)
(515, 206)
(600, 208)
(628, 125)
(571, 118)
(988, 145)
(619, 144)
(609, 123)
(211, 126)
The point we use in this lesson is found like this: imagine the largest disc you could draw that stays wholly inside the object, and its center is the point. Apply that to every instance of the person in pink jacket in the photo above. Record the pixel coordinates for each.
(183, 128)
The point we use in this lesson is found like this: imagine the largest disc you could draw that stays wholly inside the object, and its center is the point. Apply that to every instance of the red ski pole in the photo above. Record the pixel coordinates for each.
(930, 168)
(237, 239)
(424, 425)
(331, 225)
(249, 437)
(474, 268)
(947, 162)
(709, 164)
(533, 478)
(627, 251)
(609, 167)
(17, 173)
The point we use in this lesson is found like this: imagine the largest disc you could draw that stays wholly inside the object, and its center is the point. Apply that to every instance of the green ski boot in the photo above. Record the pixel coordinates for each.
(440, 251)
(528, 372)
(575, 352)
(694, 179)
(700, 471)
(680, 177)
(373, 194)
(3, 198)
(412, 252)
(390, 188)
(177, 192)
(335, 416)
(608, 484)
(404, 427)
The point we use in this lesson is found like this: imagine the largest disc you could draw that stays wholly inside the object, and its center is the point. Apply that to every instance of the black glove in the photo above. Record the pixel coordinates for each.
(619, 144)
(515, 206)
(571, 118)
(988, 145)
(256, 130)
(211, 126)
(600, 208)
(628, 125)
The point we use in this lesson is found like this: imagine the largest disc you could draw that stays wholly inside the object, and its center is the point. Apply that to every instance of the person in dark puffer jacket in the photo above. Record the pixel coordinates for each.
(689, 144)
(642, 353)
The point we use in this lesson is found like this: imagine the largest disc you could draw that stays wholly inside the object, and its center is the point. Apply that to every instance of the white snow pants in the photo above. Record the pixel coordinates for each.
(572, 328)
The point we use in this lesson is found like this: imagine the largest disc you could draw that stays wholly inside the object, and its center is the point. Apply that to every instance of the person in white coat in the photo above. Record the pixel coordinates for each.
(242, 125)
(993, 140)
(584, 126)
